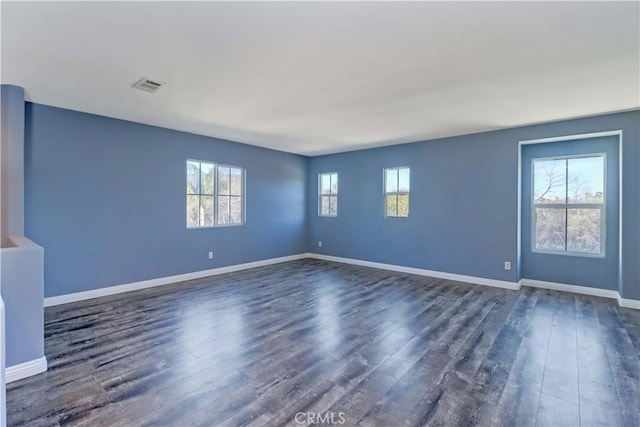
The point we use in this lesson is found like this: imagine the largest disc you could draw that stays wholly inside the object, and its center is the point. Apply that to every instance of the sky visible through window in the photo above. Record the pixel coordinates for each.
(580, 179)
(568, 204)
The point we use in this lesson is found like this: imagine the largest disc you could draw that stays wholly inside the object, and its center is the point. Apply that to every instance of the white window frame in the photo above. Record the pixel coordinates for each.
(215, 195)
(328, 195)
(566, 206)
(396, 193)
(199, 194)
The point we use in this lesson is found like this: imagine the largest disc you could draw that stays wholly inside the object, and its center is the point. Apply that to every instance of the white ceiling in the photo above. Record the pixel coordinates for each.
(315, 78)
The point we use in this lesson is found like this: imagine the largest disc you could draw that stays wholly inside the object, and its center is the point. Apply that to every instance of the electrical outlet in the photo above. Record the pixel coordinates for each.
(319, 243)
(507, 265)
(210, 255)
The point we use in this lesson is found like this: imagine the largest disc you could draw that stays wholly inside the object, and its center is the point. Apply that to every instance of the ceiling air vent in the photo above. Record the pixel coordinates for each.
(148, 85)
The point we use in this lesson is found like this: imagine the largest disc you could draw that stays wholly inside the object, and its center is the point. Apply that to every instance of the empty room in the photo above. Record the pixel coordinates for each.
(320, 213)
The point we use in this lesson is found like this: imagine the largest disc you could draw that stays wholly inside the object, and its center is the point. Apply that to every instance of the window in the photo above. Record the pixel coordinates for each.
(200, 179)
(328, 193)
(396, 193)
(229, 199)
(214, 194)
(568, 208)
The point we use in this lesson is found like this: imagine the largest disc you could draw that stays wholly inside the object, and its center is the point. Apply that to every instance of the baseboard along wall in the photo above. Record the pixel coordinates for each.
(422, 272)
(26, 369)
(112, 290)
(128, 287)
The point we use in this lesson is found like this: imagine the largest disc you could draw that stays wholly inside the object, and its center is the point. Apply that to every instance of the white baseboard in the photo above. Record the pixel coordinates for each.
(629, 303)
(421, 272)
(112, 290)
(574, 289)
(26, 369)
(584, 290)
(128, 287)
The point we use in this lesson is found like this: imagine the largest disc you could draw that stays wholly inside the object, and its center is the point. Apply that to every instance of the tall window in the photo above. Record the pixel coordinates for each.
(200, 186)
(328, 193)
(396, 192)
(229, 199)
(569, 204)
(214, 194)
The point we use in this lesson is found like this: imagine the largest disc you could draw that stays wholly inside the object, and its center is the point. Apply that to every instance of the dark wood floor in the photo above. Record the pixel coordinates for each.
(370, 347)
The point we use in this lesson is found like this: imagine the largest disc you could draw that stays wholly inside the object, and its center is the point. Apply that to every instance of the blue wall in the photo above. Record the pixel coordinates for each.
(574, 270)
(125, 185)
(106, 199)
(21, 262)
(464, 196)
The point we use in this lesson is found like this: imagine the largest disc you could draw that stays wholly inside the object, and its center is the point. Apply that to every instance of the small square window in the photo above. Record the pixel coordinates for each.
(214, 194)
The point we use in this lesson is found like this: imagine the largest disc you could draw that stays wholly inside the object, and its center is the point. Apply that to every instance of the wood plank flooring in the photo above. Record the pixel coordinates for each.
(315, 342)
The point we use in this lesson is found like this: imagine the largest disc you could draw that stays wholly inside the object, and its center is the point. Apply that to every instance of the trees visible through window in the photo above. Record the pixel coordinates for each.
(229, 199)
(328, 193)
(200, 186)
(569, 204)
(396, 192)
(214, 194)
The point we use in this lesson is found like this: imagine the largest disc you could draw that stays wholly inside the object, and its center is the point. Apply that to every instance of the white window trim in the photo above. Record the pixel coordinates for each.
(566, 206)
(330, 194)
(200, 194)
(242, 196)
(385, 193)
(215, 195)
